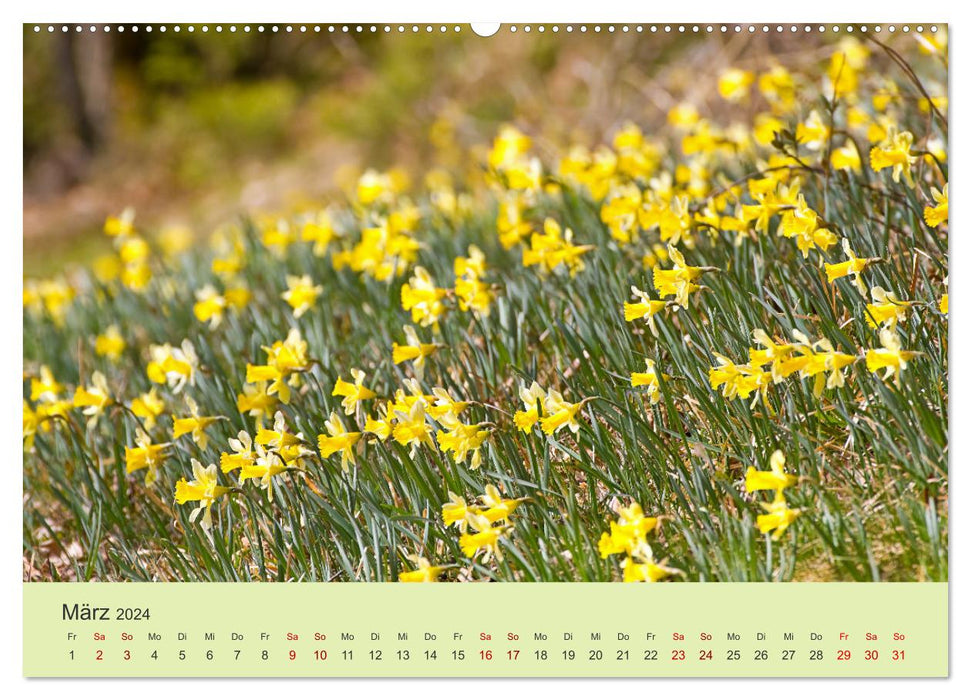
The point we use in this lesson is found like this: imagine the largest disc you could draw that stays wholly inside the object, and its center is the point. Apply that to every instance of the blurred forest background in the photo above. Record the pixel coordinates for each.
(193, 128)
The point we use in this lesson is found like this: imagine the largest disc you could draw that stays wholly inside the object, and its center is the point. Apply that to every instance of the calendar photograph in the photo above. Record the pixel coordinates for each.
(602, 307)
(459, 304)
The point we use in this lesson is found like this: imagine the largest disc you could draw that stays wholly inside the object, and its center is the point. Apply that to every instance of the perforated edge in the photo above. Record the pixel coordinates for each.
(510, 28)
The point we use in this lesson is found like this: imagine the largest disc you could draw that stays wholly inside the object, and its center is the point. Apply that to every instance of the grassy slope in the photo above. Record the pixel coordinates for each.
(871, 457)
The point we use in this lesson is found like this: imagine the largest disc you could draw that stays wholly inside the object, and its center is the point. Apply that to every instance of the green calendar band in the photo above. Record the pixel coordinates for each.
(487, 630)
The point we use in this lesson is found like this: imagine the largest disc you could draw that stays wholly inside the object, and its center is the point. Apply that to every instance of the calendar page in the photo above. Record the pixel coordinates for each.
(513, 350)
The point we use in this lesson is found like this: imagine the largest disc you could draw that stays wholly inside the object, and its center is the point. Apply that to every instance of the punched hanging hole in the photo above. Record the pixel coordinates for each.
(485, 28)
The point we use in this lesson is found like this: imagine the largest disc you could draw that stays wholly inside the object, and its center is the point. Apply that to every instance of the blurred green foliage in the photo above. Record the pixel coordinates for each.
(180, 123)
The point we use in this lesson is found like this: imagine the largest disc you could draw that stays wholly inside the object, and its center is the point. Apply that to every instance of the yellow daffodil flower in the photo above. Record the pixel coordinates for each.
(94, 398)
(404, 402)
(771, 196)
(778, 88)
(133, 250)
(683, 114)
(257, 402)
(674, 220)
(454, 512)
(649, 379)
(814, 359)
(44, 387)
(122, 225)
(110, 344)
(136, 273)
(319, 231)
(413, 350)
(242, 455)
(894, 152)
(31, 298)
(289, 446)
(301, 294)
(765, 128)
(175, 366)
(230, 254)
(209, 306)
(679, 281)
(412, 429)
(441, 404)
(734, 83)
(353, 393)
(934, 43)
(381, 252)
(203, 488)
(532, 398)
(264, 467)
(106, 268)
(524, 174)
(739, 381)
(237, 296)
(626, 533)
(338, 439)
(886, 309)
(484, 539)
(775, 479)
(488, 521)
(554, 247)
(374, 186)
(511, 223)
(559, 413)
(779, 355)
(472, 293)
(509, 144)
(777, 518)
(47, 411)
(509, 158)
(846, 157)
(145, 455)
(619, 212)
(380, 427)
(424, 572)
(845, 65)
(194, 424)
(30, 423)
(891, 357)
(53, 296)
(648, 571)
(851, 266)
(285, 359)
(277, 235)
(801, 223)
(937, 214)
(644, 308)
(495, 508)
(813, 133)
(422, 298)
(403, 218)
(938, 103)
(461, 439)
